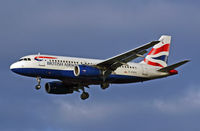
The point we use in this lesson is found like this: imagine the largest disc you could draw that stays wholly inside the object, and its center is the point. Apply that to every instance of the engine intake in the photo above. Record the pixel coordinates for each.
(86, 71)
(57, 87)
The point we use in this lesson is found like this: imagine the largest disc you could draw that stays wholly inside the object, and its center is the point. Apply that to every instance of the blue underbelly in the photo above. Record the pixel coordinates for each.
(69, 74)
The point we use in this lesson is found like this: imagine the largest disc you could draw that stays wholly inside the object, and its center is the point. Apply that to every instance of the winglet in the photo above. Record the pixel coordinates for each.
(171, 67)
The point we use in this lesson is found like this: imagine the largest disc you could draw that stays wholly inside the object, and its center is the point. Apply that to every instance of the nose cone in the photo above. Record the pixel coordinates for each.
(15, 67)
(12, 66)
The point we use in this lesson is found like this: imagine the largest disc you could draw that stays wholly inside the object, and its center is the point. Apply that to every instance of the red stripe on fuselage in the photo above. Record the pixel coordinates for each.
(161, 49)
(152, 63)
(45, 57)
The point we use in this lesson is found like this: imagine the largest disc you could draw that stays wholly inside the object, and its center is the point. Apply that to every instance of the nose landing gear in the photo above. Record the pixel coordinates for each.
(38, 86)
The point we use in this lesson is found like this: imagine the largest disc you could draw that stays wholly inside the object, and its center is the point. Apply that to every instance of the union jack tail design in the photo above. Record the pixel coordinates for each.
(158, 56)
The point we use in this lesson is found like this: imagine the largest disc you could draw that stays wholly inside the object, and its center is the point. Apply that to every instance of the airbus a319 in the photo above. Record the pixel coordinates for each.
(74, 74)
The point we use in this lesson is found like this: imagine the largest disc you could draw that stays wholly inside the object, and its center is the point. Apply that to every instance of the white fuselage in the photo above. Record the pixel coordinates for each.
(62, 68)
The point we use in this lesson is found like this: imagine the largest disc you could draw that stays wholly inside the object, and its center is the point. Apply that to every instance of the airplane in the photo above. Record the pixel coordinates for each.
(75, 74)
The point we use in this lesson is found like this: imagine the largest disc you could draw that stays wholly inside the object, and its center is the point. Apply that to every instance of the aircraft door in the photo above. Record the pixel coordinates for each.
(41, 63)
(144, 70)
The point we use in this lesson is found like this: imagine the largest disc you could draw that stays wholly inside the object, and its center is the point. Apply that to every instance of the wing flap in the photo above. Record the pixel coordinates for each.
(117, 64)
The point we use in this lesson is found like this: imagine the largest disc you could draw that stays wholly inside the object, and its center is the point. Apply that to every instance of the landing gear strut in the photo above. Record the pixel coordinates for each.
(84, 94)
(38, 86)
(104, 86)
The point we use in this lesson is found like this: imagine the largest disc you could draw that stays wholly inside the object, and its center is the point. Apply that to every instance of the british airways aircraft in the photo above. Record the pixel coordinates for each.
(74, 74)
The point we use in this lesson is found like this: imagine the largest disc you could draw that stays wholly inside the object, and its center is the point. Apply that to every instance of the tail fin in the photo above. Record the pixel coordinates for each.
(158, 56)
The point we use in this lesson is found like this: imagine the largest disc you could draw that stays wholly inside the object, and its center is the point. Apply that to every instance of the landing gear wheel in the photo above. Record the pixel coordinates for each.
(84, 95)
(37, 87)
(104, 86)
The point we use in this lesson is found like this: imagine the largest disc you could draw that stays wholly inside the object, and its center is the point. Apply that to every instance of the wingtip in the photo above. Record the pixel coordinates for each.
(156, 42)
(187, 60)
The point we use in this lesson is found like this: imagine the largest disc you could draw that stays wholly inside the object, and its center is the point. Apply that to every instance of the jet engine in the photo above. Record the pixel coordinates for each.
(86, 71)
(57, 87)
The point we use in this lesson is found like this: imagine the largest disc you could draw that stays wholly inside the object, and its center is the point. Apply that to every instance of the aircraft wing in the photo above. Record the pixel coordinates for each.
(113, 63)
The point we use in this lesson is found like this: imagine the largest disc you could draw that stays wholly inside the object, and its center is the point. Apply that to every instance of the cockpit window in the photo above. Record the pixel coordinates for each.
(25, 59)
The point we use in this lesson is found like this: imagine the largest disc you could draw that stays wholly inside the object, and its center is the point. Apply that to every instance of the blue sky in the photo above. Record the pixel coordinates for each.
(100, 29)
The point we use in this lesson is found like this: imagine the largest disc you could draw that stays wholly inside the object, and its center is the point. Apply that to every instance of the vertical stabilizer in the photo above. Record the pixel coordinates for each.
(158, 56)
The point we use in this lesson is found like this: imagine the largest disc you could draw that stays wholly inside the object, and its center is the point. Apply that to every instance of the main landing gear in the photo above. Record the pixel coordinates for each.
(84, 94)
(38, 86)
(104, 86)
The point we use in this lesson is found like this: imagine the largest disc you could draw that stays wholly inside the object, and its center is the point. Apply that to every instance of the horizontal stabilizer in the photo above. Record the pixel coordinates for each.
(171, 67)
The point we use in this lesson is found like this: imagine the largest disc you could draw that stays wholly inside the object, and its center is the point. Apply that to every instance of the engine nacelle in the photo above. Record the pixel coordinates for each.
(57, 87)
(86, 71)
